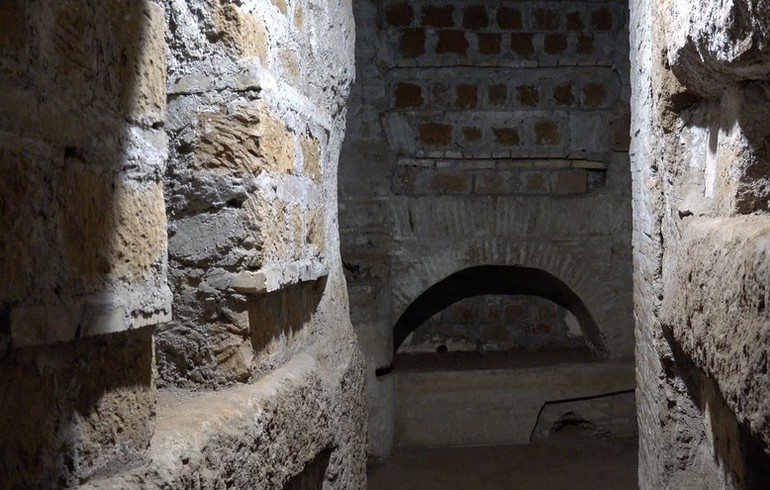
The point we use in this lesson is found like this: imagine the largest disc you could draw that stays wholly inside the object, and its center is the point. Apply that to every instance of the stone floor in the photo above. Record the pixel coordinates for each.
(573, 464)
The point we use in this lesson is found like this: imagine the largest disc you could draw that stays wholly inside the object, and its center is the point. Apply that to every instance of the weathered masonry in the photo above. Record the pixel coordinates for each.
(485, 202)
(700, 167)
(173, 310)
(546, 213)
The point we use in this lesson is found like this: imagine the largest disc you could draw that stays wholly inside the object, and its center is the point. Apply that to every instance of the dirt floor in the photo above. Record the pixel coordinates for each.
(573, 464)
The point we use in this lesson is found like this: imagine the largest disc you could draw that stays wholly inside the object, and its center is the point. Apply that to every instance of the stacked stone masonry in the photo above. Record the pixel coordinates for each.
(160, 154)
(700, 167)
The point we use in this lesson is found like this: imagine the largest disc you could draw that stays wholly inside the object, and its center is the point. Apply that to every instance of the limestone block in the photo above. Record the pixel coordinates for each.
(243, 139)
(113, 229)
(715, 297)
(242, 31)
(311, 156)
(712, 42)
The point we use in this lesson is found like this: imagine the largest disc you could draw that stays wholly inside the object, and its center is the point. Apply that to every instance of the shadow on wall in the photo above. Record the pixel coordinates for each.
(733, 447)
(495, 280)
(82, 249)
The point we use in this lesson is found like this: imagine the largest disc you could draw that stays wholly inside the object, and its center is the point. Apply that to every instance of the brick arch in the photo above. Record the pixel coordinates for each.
(555, 261)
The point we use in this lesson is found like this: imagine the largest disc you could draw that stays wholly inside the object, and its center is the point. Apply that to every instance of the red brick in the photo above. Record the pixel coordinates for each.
(412, 43)
(546, 19)
(506, 136)
(408, 95)
(521, 43)
(572, 181)
(438, 16)
(555, 43)
(535, 182)
(475, 17)
(546, 133)
(471, 134)
(585, 44)
(574, 21)
(489, 43)
(13, 24)
(451, 41)
(601, 19)
(435, 134)
(528, 95)
(399, 14)
(467, 96)
(562, 94)
(594, 94)
(451, 182)
(509, 18)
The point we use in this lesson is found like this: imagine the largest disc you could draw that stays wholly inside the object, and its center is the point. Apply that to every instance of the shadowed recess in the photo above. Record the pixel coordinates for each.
(499, 280)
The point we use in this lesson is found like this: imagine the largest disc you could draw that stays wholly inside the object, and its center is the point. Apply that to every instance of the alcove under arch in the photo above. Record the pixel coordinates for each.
(495, 280)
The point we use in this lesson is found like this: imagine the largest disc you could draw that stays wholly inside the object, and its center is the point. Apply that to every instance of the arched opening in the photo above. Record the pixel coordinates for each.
(496, 280)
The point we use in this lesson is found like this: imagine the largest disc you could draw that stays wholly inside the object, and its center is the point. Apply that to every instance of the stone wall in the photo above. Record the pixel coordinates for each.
(185, 153)
(83, 240)
(700, 168)
(485, 134)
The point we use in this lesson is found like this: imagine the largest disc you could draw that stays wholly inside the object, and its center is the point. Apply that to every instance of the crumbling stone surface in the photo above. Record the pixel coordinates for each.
(76, 410)
(261, 435)
(255, 123)
(84, 236)
(700, 170)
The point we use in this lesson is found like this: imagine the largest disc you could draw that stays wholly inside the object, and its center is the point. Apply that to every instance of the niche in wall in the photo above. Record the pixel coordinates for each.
(497, 308)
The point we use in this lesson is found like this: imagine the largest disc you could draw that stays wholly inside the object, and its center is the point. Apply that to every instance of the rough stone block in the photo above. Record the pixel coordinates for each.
(527, 95)
(311, 157)
(506, 136)
(544, 19)
(115, 230)
(242, 31)
(450, 182)
(67, 420)
(497, 94)
(243, 139)
(555, 44)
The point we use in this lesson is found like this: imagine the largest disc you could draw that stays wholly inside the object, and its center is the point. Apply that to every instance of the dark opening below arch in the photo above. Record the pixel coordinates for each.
(498, 280)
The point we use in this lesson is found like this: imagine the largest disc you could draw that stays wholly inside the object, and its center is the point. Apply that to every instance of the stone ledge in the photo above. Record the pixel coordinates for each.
(269, 280)
(716, 298)
(250, 436)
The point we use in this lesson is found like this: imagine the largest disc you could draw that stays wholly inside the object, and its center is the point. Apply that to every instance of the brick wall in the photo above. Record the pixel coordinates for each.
(484, 133)
(497, 324)
(506, 88)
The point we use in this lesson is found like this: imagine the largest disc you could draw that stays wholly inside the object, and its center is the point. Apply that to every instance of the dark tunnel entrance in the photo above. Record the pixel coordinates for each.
(495, 280)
